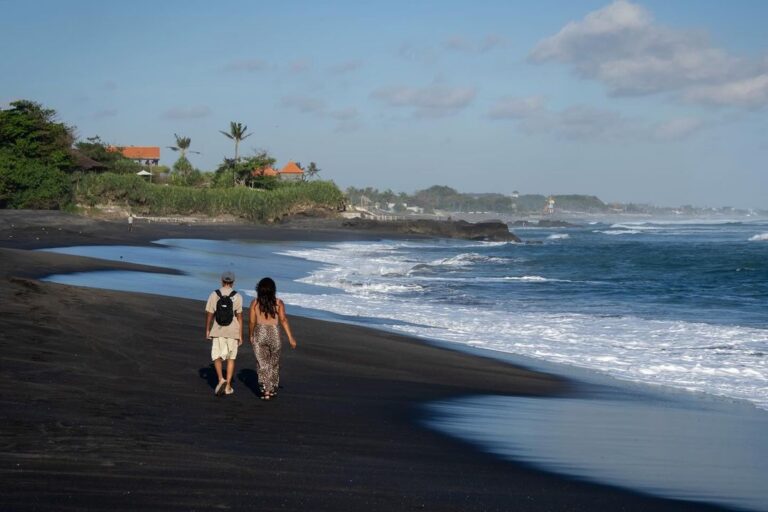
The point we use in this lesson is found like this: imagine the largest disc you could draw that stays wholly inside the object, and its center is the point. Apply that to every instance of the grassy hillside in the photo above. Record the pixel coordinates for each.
(252, 204)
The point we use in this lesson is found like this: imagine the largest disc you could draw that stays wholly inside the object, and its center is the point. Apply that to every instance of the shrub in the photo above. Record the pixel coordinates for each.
(28, 183)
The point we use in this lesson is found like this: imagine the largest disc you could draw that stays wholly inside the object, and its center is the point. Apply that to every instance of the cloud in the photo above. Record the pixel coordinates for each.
(582, 122)
(246, 65)
(432, 101)
(195, 112)
(462, 44)
(346, 119)
(304, 104)
(516, 108)
(103, 114)
(623, 47)
(346, 67)
(678, 128)
(750, 92)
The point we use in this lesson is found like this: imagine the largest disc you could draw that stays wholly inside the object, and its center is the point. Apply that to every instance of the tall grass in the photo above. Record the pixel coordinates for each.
(257, 205)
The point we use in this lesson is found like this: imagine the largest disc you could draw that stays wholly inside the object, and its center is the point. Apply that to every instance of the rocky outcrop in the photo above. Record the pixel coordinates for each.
(495, 231)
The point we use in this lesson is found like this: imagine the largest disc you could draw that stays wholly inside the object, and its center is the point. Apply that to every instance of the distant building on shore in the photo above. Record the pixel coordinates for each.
(291, 171)
(549, 209)
(145, 155)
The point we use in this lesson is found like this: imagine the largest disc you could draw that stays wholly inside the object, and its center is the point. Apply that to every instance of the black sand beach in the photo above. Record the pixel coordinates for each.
(107, 402)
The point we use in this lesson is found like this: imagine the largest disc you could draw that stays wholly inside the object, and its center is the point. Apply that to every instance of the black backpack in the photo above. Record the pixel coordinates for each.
(225, 308)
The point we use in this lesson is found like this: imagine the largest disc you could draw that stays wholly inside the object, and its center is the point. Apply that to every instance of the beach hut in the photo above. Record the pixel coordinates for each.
(144, 173)
(86, 163)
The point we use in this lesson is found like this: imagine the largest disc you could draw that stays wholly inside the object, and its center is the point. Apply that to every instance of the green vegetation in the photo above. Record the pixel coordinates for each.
(312, 171)
(252, 204)
(237, 134)
(35, 157)
(232, 173)
(27, 183)
(103, 157)
(447, 199)
(30, 132)
(184, 173)
(40, 168)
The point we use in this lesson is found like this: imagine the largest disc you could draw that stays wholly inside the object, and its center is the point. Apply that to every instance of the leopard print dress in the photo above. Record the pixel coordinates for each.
(266, 347)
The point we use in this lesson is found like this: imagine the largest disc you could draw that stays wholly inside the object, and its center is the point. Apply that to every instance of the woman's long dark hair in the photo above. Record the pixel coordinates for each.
(265, 296)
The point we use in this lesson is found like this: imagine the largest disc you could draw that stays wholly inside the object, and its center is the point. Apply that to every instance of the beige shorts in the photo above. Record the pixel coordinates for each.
(223, 348)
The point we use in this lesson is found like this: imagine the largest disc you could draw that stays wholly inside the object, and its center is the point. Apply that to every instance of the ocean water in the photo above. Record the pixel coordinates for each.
(670, 304)
(675, 309)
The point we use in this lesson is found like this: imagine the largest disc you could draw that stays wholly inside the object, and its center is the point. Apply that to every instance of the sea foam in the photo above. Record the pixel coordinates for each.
(676, 353)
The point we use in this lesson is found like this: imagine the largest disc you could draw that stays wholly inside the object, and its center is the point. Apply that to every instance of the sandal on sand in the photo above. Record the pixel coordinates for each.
(220, 388)
(229, 390)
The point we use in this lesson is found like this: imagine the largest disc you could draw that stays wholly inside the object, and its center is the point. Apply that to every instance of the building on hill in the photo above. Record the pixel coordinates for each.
(145, 155)
(264, 171)
(291, 171)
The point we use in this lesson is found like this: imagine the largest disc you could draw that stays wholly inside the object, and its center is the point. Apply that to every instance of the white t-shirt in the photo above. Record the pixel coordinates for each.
(233, 330)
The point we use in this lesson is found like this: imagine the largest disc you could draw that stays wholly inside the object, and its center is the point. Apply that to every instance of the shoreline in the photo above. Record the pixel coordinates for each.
(120, 412)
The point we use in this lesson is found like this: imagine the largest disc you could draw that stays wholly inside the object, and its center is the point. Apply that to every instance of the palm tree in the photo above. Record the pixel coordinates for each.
(182, 145)
(237, 134)
(312, 171)
(182, 165)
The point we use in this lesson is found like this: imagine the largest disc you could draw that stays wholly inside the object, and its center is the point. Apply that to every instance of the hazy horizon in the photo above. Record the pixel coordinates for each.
(648, 102)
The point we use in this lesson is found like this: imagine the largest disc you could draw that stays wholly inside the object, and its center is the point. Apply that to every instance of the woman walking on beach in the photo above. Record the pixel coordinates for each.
(265, 313)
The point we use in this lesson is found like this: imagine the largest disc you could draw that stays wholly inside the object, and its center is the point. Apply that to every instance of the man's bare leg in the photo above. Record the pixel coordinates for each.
(230, 372)
(217, 365)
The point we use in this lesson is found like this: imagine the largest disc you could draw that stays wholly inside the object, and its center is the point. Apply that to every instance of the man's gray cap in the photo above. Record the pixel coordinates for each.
(228, 277)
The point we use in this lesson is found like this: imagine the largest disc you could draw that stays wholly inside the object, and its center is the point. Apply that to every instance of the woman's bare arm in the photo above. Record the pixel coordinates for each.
(252, 320)
(284, 322)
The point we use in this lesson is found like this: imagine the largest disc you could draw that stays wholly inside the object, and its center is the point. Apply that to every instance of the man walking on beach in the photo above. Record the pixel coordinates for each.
(223, 326)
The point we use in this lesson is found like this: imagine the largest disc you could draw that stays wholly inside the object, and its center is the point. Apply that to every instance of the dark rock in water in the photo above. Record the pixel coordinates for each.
(494, 231)
(545, 223)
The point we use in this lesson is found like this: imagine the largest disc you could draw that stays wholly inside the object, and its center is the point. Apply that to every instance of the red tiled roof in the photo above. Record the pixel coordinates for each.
(138, 152)
(291, 168)
(264, 171)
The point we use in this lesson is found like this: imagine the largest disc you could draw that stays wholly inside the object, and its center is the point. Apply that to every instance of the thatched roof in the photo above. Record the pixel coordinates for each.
(85, 162)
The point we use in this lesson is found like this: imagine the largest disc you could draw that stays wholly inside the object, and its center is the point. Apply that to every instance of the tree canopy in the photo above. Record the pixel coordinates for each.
(29, 131)
(237, 134)
(35, 154)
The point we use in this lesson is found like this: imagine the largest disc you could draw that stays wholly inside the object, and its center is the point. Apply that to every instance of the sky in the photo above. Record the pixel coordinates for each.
(650, 101)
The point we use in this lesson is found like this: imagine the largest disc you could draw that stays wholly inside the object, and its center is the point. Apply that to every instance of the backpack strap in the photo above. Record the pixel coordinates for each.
(219, 293)
(232, 294)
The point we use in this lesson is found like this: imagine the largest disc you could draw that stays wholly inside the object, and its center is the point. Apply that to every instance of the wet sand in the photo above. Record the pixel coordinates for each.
(108, 403)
